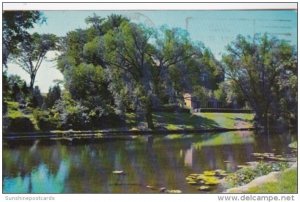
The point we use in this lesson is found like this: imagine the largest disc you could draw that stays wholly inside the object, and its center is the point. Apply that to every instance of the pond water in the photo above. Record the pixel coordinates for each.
(158, 161)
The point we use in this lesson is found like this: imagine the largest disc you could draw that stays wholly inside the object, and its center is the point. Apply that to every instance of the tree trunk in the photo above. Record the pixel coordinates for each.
(32, 79)
(149, 117)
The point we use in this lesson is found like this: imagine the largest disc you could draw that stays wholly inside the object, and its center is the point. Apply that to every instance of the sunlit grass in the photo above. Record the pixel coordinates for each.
(172, 127)
(172, 121)
(287, 183)
(229, 120)
(294, 145)
(13, 110)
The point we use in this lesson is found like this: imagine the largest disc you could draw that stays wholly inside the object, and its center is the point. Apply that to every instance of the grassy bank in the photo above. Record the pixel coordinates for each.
(176, 121)
(287, 183)
(23, 120)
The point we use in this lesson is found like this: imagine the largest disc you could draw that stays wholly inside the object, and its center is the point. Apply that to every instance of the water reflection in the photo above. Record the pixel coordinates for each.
(40, 180)
(188, 157)
(148, 160)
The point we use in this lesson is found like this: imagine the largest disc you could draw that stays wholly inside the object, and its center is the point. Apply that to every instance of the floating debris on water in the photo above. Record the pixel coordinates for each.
(271, 157)
(169, 191)
(151, 187)
(173, 191)
(118, 172)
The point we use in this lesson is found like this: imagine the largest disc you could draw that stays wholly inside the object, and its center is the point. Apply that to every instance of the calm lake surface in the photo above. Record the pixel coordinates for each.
(159, 161)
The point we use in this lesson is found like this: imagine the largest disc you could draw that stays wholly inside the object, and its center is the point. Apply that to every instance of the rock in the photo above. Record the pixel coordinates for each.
(118, 172)
(151, 187)
(204, 188)
(162, 189)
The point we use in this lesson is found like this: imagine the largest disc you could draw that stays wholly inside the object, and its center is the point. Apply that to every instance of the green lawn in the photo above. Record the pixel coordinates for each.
(173, 121)
(177, 121)
(229, 120)
(287, 183)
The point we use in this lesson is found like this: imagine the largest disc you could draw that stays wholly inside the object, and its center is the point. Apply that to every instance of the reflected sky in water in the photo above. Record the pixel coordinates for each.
(40, 180)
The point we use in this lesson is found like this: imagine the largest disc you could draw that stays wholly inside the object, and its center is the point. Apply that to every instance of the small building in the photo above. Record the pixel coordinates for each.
(190, 101)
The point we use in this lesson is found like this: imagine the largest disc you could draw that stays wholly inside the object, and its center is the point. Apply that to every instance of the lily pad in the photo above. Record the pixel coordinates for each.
(192, 182)
(211, 181)
(209, 173)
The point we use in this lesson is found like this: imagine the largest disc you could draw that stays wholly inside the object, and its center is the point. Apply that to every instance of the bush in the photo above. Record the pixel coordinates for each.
(45, 120)
(107, 121)
(171, 108)
(20, 124)
(247, 174)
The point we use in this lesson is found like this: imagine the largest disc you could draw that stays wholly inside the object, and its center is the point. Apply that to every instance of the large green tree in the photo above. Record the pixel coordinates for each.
(183, 65)
(265, 70)
(127, 54)
(140, 67)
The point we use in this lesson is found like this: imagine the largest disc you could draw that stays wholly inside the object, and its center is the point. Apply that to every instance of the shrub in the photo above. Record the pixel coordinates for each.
(45, 120)
(247, 174)
(20, 124)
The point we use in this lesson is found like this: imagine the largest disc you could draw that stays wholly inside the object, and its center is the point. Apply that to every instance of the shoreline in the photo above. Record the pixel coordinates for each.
(272, 177)
(109, 133)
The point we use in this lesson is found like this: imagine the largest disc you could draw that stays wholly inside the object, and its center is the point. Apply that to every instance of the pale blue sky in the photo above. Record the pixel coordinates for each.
(215, 29)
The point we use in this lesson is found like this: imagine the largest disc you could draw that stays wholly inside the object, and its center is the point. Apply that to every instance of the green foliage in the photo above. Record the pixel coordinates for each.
(171, 108)
(247, 174)
(20, 124)
(36, 99)
(74, 115)
(53, 95)
(203, 94)
(71, 47)
(46, 120)
(294, 145)
(260, 68)
(13, 110)
(15, 25)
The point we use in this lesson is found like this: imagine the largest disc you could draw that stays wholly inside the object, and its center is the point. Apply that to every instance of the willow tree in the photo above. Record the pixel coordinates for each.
(265, 70)
(127, 55)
